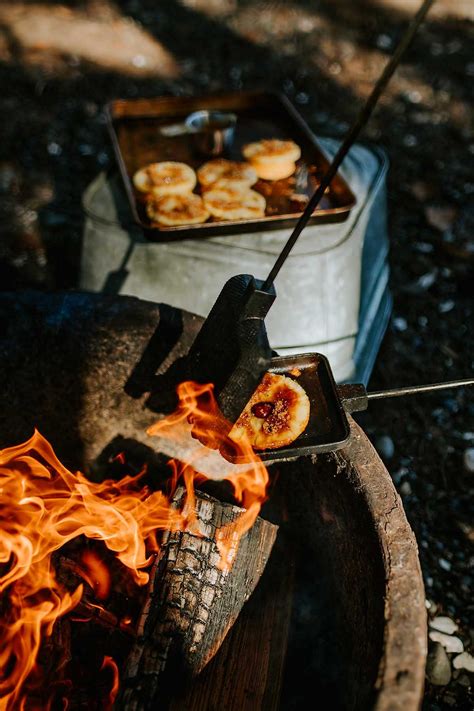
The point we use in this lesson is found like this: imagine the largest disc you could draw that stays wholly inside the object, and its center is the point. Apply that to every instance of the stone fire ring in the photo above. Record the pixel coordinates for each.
(80, 366)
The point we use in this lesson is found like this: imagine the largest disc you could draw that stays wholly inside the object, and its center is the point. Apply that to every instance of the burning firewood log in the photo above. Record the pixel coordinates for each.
(192, 601)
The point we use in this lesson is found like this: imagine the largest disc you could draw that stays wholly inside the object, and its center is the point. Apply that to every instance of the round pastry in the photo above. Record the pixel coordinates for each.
(272, 149)
(229, 204)
(228, 184)
(272, 158)
(239, 175)
(173, 210)
(166, 178)
(276, 414)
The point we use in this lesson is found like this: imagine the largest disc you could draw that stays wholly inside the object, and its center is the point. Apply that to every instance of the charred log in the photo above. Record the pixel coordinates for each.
(247, 673)
(192, 602)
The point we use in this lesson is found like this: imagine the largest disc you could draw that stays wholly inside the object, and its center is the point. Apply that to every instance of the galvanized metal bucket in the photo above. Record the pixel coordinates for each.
(332, 293)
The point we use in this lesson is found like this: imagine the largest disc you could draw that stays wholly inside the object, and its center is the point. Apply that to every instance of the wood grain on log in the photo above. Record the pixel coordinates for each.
(246, 674)
(192, 602)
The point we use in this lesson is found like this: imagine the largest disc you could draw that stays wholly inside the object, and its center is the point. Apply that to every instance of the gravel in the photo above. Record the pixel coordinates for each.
(438, 668)
(385, 446)
(468, 460)
(443, 624)
(464, 661)
(450, 643)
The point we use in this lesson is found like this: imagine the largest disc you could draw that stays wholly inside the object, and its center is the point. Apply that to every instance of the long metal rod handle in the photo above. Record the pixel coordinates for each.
(414, 389)
(349, 140)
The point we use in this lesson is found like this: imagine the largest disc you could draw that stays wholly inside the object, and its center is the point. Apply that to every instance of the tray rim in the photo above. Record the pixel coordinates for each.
(223, 228)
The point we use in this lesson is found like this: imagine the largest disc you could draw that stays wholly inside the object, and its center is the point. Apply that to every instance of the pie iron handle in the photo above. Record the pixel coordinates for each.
(353, 397)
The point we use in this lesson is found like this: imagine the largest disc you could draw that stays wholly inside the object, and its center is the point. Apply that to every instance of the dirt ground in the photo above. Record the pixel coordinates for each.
(61, 61)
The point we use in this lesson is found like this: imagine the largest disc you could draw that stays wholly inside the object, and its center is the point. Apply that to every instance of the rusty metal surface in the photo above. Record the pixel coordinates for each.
(401, 674)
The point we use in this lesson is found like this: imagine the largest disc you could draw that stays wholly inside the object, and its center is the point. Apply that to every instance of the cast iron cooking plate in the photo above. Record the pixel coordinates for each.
(328, 428)
(133, 127)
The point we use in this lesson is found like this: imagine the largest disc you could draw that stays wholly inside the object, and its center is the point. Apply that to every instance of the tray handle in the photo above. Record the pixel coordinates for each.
(353, 397)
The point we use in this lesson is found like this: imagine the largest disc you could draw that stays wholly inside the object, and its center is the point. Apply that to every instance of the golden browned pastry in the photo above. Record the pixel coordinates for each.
(230, 204)
(276, 414)
(238, 175)
(227, 184)
(173, 210)
(272, 159)
(165, 178)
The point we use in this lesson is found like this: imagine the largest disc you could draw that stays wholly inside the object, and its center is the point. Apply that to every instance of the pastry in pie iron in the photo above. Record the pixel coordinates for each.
(276, 414)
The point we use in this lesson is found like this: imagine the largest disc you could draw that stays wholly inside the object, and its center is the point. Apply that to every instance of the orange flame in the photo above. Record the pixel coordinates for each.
(198, 415)
(96, 574)
(109, 663)
(43, 506)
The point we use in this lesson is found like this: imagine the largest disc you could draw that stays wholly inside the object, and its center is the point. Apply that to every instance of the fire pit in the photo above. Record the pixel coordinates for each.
(338, 616)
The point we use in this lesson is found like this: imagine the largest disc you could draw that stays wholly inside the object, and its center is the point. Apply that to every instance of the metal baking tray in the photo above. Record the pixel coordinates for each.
(328, 427)
(133, 126)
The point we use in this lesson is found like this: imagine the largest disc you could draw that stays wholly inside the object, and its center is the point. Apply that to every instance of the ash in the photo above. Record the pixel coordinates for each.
(55, 78)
